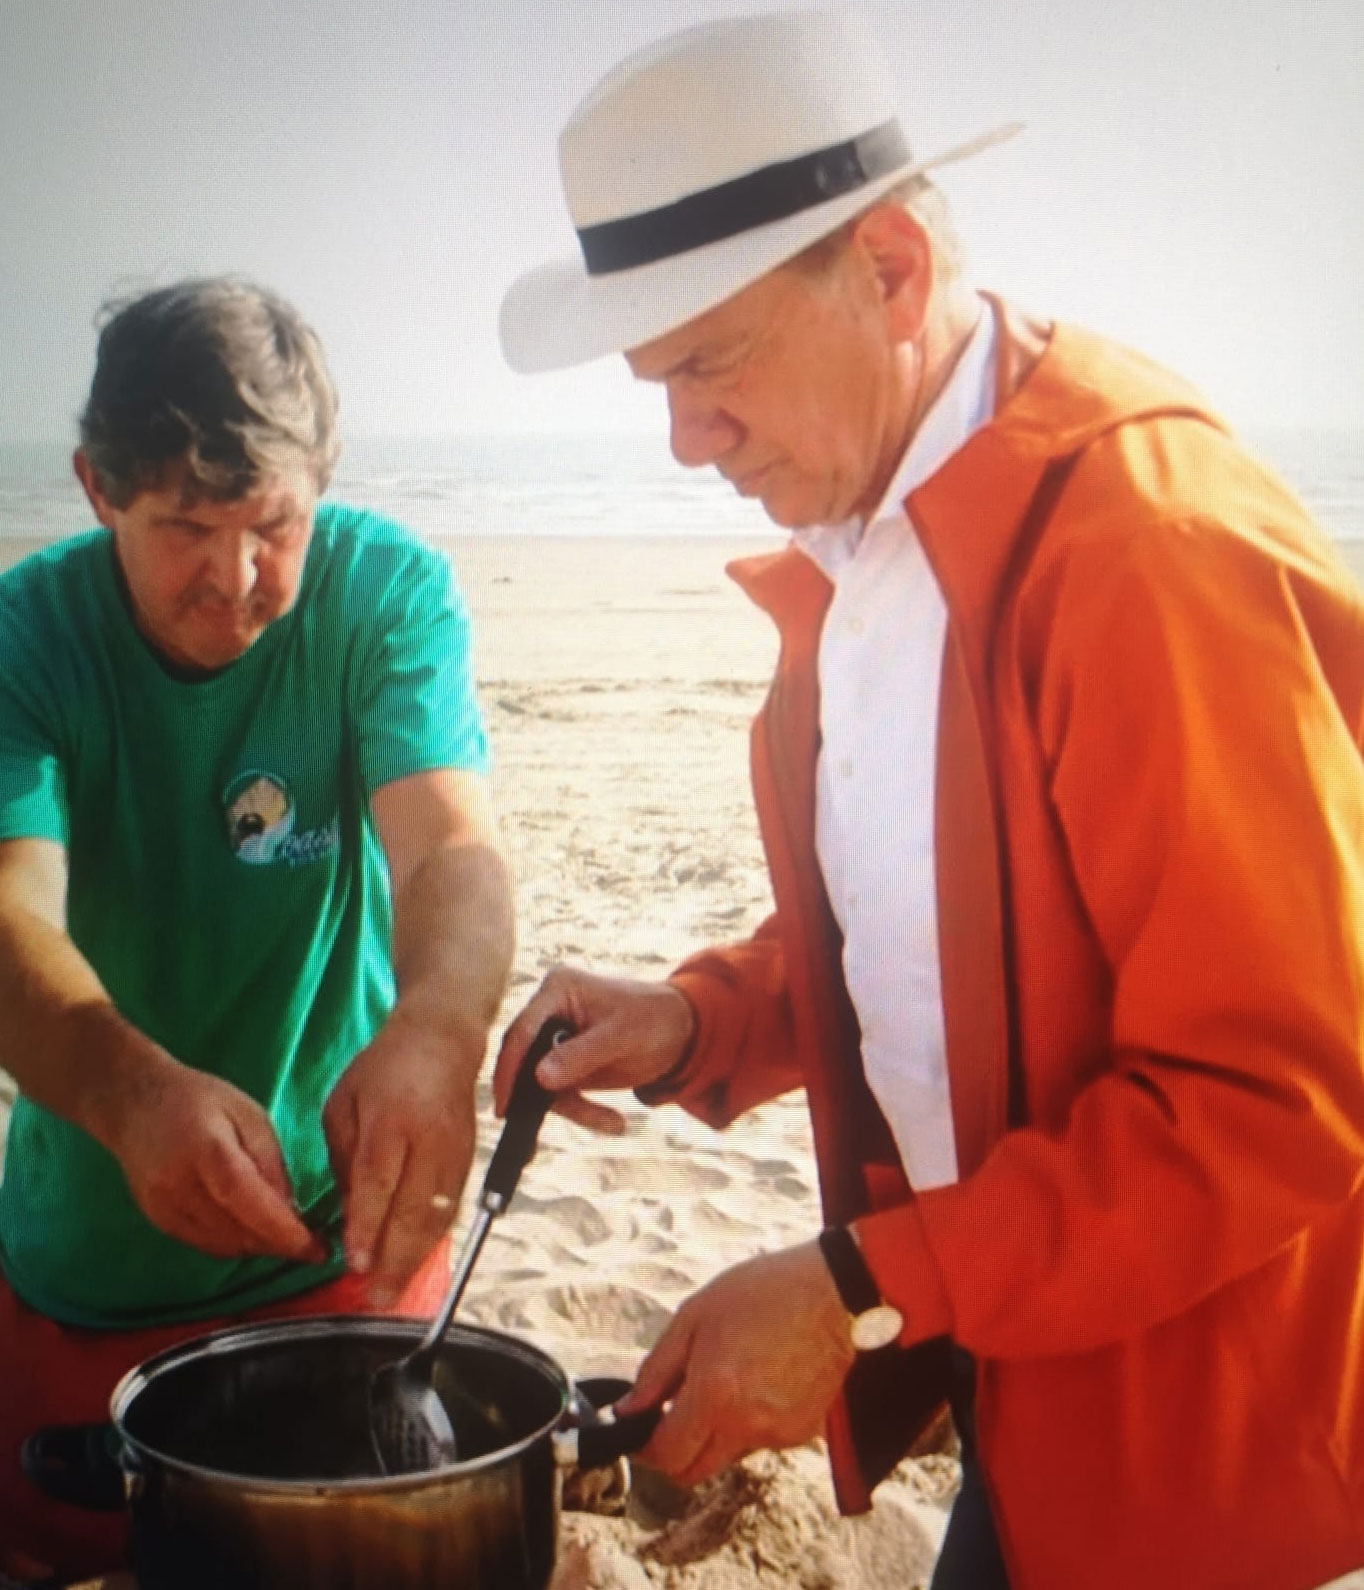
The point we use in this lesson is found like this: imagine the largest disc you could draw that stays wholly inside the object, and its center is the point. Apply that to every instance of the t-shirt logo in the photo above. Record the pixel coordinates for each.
(260, 816)
(258, 809)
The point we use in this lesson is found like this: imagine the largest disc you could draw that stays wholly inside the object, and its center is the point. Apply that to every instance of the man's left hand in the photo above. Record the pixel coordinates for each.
(400, 1123)
(400, 1128)
(752, 1360)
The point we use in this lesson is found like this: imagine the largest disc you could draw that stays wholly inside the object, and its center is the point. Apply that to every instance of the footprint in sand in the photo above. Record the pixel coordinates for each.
(501, 1313)
(769, 1168)
(616, 1314)
(708, 1216)
(660, 1277)
(503, 1242)
(545, 1254)
(658, 1176)
(573, 1213)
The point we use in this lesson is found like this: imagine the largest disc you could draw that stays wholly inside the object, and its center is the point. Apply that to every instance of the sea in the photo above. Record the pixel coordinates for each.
(618, 486)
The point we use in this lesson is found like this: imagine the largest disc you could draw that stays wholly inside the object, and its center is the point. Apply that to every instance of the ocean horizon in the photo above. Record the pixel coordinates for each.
(595, 485)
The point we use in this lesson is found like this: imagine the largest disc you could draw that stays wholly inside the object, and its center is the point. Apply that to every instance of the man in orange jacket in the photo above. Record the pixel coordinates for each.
(1063, 804)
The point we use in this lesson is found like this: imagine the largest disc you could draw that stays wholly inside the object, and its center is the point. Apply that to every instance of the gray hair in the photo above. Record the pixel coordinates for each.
(217, 376)
(922, 199)
(927, 203)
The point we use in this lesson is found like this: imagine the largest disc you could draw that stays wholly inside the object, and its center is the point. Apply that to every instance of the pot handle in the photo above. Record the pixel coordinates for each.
(596, 1441)
(77, 1463)
(598, 1445)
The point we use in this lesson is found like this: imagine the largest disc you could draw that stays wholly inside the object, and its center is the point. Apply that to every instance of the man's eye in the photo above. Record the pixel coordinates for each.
(280, 533)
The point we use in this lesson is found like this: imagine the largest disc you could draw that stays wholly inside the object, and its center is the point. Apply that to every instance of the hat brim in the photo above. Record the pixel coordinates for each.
(557, 315)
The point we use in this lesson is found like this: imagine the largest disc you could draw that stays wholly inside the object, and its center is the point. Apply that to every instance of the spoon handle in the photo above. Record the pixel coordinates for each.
(473, 1245)
(526, 1111)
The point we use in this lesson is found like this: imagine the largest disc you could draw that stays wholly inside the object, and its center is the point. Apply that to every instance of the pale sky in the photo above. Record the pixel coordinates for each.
(1191, 180)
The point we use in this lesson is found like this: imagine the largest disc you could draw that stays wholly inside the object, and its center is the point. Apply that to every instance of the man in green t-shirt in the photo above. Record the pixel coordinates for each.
(254, 920)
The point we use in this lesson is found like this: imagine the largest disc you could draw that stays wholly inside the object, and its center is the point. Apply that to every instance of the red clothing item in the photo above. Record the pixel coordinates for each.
(61, 1374)
(1150, 838)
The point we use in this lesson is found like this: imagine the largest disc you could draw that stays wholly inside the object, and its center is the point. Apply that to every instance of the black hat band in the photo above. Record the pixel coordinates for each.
(755, 199)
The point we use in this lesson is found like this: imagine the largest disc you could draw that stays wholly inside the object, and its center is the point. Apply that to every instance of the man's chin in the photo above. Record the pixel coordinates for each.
(788, 515)
(786, 504)
(211, 652)
(228, 651)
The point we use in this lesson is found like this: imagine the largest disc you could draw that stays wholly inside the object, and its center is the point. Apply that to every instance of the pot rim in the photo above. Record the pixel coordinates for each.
(232, 1339)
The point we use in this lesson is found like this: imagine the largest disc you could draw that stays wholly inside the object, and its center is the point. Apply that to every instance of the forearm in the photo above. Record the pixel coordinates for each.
(61, 1038)
(453, 939)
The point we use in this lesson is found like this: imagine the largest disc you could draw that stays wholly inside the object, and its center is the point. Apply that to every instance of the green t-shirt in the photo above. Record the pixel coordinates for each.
(226, 881)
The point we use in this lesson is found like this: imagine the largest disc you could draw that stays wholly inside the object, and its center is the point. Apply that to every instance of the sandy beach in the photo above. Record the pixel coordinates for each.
(618, 679)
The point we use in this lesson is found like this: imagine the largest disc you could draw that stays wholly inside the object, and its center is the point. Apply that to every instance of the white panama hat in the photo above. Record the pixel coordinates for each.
(700, 163)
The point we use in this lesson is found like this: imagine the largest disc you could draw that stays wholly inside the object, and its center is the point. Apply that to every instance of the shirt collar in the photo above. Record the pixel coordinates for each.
(965, 403)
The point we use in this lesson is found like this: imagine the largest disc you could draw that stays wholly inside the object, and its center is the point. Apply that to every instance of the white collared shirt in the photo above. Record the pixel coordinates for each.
(880, 668)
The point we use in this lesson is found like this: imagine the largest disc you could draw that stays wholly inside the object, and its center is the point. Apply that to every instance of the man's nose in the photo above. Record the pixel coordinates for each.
(233, 566)
(699, 433)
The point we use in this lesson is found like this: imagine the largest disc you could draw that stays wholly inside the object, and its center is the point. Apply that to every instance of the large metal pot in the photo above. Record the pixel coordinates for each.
(247, 1464)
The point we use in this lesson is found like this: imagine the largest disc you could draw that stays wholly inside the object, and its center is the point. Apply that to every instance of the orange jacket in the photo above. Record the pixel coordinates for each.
(1150, 834)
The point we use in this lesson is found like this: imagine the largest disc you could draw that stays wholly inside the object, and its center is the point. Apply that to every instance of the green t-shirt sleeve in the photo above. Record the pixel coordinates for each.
(32, 783)
(417, 709)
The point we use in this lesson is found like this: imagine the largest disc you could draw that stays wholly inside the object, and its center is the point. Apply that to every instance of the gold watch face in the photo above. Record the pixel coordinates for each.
(878, 1327)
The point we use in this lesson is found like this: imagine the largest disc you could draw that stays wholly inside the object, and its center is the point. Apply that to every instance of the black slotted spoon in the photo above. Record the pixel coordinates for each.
(409, 1425)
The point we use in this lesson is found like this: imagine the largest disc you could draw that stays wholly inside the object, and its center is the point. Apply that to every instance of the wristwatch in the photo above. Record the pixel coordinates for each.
(875, 1323)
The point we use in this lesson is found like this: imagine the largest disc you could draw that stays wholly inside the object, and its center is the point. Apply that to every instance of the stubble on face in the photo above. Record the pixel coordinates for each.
(206, 578)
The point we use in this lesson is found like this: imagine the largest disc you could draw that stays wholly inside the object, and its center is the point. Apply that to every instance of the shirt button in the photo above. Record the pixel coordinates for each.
(856, 626)
(845, 767)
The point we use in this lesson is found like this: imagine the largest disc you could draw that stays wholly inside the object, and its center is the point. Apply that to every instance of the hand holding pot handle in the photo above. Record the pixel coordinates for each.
(595, 1441)
(600, 1444)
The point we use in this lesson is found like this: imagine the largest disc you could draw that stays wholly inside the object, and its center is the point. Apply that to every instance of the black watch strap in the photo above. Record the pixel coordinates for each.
(849, 1270)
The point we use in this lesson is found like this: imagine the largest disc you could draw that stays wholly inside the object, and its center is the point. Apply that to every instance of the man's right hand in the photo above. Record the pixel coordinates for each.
(629, 1033)
(201, 1157)
(204, 1166)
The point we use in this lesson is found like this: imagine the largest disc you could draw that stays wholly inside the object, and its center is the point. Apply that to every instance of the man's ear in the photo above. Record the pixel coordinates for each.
(88, 476)
(902, 258)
